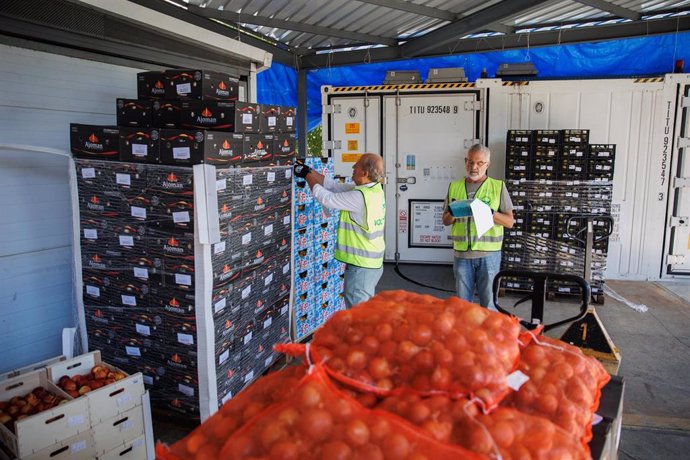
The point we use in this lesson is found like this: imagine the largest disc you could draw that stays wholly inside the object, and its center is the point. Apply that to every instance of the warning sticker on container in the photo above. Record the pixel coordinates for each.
(352, 145)
(351, 128)
(402, 221)
(350, 157)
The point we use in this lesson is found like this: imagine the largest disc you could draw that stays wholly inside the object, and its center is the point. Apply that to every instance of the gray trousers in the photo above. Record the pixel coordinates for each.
(360, 283)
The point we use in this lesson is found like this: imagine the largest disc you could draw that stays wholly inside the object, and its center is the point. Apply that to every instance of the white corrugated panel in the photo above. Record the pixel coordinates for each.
(40, 95)
(623, 112)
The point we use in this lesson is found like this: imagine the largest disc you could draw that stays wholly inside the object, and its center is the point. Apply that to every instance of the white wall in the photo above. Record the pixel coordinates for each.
(40, 95)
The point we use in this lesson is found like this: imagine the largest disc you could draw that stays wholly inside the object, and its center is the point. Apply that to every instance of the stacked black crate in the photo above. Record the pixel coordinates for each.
(138, 234)
(519, 157)
(566, 180)
(572, 169)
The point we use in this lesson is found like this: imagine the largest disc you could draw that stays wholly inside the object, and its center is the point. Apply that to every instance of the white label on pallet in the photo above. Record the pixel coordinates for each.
(218, 306)
(221, 184)
(247, 179)
(288, 173)
(268, 361)
(283, 310)
(516, 380)
(268, 279)
(271, 121)
(271, 176)
(186, 339)
(286, 268)
(140, 150)
(142, 329)
(90, 233)
(268, 323)
(286, 220)
(124, 399)
(246, 291)
(246, 238)
(181, 153)
(148, 380)
(133, 351)
(183, 88)
(248, 378)
(142, 273)
(247, 118)
(123, 179)
(219, 247)
(180, 217)
(268, 230)
(185, 280)
(129, 300)
(138, 212)
(126, 240)
(227, 397)
(248, 337)
(93, 291)
(77, 446)
(88, 173)
(223, 357)
(75, 420)
(289, 121)
(184, 389)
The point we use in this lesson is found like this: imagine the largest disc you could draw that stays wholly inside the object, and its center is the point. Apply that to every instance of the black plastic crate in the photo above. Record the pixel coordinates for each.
(521, 220)
(517, 168)
(545, 175)
(600, 169)
(572, 169)
(575, 136)
(541, 164)
(518, 151)
(547, 136)
(602, 150)
(547, 151)
(519, 136)
(574, 151)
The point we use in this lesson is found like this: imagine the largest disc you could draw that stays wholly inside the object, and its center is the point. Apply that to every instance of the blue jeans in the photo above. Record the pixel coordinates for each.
(360, 283)
(479, 272)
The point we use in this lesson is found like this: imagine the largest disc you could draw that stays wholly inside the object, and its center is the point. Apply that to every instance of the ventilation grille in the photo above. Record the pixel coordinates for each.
(56, 13)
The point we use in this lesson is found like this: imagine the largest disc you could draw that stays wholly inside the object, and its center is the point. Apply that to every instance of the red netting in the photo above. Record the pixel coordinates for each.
(401, 339)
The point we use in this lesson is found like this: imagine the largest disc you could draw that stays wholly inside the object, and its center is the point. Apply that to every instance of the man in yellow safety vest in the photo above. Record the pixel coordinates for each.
(360, 244)
(478, 260)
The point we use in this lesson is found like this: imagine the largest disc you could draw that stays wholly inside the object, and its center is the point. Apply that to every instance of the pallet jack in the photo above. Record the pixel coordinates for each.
(585, 332)
(588, 333)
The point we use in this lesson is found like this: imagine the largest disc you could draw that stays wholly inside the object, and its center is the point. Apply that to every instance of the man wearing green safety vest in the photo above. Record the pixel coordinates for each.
(478, 260)
(362, 206)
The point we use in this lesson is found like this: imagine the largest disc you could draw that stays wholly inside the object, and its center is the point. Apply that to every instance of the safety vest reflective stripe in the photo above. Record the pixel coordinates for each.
(359, 252)
(491, 239)
(357, 229)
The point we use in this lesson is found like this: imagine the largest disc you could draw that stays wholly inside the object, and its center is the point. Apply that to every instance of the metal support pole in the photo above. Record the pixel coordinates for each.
(302, 113)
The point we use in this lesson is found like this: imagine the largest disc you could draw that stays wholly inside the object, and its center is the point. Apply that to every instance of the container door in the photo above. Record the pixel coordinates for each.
(354, 129)
(678, 258)
(425, 140)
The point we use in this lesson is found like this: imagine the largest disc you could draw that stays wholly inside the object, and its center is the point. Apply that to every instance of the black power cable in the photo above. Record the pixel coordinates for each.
(406, 278)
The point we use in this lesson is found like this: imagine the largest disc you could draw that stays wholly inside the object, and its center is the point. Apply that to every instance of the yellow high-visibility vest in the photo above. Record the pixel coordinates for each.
(363, 245)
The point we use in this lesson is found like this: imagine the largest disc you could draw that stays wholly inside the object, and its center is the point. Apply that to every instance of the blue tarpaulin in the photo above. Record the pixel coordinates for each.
(632, 57)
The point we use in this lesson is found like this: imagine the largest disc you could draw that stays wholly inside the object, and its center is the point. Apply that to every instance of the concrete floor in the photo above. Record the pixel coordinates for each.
(655, 350)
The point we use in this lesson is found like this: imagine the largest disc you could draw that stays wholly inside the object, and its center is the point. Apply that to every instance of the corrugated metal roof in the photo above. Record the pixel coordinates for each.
(418, 27)
(334, 24)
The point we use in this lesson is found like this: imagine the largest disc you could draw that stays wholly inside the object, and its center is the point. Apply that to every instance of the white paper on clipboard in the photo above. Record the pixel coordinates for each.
(483, 219)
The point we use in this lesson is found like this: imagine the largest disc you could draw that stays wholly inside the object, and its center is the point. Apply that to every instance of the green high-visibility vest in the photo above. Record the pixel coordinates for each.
(363, 245)
(463, 240)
